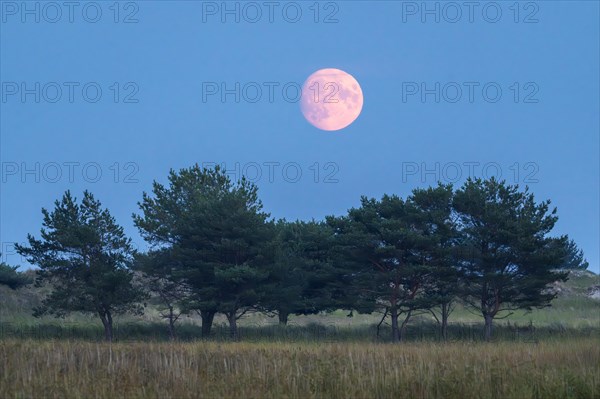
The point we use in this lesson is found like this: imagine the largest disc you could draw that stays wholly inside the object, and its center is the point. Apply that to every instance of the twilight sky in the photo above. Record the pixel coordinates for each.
(108, 96)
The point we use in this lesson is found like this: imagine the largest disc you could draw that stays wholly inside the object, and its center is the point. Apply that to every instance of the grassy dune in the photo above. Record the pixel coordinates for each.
(552, 369)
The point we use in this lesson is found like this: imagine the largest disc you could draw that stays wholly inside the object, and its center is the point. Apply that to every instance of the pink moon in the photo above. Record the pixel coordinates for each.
(331, 99)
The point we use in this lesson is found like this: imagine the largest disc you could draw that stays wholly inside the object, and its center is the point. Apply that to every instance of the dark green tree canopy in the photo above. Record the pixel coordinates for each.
(85, 256)
(574, 258)
(302, 279)
(382, 244)
(12, 278)
(217, 234)
(508, 257)
(440, 227)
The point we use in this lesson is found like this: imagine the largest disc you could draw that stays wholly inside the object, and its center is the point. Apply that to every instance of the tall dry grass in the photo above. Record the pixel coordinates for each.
(57, 369)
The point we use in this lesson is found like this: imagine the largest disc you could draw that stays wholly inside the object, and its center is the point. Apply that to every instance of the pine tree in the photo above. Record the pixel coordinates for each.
(441, 229)
(160, 275)
(301, 277)
(574, 258)
(218, 236)
(85, 256)
(12, 278)
(381, 245)
(508, 258)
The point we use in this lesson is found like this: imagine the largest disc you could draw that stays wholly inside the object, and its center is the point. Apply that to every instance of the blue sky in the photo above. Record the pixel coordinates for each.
(543, 131)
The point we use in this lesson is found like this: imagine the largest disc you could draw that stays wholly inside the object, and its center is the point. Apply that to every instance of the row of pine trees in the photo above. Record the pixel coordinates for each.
(214, 250)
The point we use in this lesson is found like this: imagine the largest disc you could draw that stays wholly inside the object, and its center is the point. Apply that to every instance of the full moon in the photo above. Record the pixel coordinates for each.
(331, 99)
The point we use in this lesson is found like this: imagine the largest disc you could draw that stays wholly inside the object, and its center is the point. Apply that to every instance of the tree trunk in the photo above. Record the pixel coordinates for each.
(402, 330)
(387, 310)
(283, 317)
(207, 321)
(488, 326)
(444, 327)
(107, 322)
(233, 331)
(395, 330)
(172, 335)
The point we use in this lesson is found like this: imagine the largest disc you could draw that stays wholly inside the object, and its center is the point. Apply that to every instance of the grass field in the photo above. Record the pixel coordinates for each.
(57, 369)
(548, 353)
